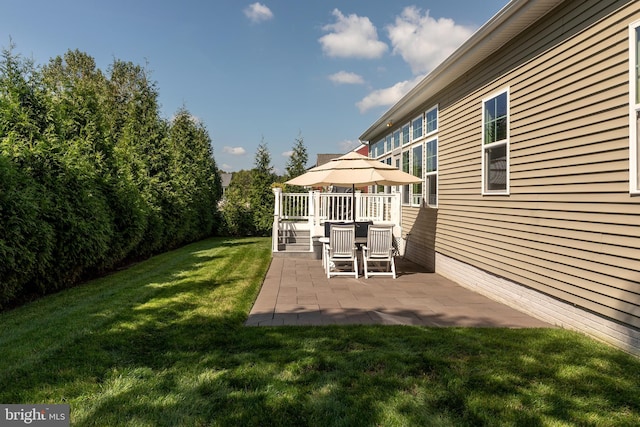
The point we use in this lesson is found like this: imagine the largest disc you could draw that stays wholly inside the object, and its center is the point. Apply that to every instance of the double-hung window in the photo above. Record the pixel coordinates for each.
(431, 172)
(396, 139)
(634, 108)
(495, 144)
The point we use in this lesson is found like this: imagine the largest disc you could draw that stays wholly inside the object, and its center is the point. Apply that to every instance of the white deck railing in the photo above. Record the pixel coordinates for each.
(311, 210)
(294, 206)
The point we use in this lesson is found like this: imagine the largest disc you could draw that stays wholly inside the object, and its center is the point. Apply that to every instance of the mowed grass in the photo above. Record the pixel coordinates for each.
(163, 344)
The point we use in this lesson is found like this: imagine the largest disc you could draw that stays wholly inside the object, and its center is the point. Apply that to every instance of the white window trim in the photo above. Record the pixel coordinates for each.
(377, 153)
(395, 149)
(388, 139)
(434, 173)
(407, 150)
(433, 132)
(634, 108)
(411, 155)
(483, 147)
(412, 139)
(408, 127)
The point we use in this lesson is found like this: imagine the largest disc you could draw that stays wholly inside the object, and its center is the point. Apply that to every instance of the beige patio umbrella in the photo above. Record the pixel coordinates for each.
(354, 170)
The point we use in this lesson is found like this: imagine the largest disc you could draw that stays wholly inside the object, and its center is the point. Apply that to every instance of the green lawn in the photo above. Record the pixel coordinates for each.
(163, 344)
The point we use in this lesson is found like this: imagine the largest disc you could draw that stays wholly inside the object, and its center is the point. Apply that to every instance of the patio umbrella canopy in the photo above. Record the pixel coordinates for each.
(354, 170)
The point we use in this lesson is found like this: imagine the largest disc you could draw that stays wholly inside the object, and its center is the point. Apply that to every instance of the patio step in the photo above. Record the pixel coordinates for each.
(294, 243)
(294, 237)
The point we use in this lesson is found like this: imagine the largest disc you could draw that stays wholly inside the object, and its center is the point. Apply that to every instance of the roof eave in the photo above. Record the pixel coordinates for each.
(510, 21)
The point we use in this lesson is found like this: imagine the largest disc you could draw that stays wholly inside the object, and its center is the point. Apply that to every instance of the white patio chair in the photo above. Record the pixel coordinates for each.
(341, 249)
(379, 249)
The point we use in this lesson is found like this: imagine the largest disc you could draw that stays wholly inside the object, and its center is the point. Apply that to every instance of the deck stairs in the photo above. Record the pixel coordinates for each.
(294, 242)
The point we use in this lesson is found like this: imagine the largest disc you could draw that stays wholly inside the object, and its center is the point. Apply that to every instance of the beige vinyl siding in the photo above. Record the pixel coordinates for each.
(420, 238)
(568, 228)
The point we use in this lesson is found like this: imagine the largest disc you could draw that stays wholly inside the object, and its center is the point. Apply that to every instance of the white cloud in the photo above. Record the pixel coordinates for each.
(347, 78)
(424, 42)
(225, 167)
(287, 153)
(258, 12)
(348, 145)
(387, 96)
(235, 151)
(352, 36)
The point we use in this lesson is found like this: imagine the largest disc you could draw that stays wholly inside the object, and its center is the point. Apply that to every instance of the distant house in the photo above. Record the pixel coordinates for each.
(527, 140)
(321, 159)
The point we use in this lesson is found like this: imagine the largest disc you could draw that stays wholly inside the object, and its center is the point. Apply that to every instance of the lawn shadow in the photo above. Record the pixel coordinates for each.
(173, 351)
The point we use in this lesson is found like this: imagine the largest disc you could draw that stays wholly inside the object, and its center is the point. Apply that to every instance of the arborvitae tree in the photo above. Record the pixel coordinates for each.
(261, 194)
(79, 166)
(27, 239)
(141, 150)
(194, 175)
(23, 117)
(236, 206)
(297, 163)
(90, 175)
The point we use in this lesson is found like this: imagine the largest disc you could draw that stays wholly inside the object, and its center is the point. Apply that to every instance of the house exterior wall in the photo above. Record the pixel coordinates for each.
(419, 228)
(568, 228)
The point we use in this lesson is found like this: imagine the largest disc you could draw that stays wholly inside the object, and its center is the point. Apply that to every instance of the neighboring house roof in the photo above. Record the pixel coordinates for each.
(510, 21)
(325, 158)
(362, 149)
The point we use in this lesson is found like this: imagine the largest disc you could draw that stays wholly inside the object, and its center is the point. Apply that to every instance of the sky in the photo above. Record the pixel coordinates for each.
(259, 72)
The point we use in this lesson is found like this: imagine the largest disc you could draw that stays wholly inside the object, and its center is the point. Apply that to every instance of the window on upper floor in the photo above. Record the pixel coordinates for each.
(379, 149)
(495, 144)
(431, 119)
(396, 139)
(416, 128)
(405, 134)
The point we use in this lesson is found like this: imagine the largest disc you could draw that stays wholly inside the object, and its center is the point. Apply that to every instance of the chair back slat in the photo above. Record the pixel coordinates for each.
(380, 241)
(341, 240)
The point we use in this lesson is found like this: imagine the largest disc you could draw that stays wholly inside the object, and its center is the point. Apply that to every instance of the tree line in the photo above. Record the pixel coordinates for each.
(91, 175)
(247, 208)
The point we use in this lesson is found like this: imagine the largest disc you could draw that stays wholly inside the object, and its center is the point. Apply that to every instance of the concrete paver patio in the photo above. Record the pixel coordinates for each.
(296, 291)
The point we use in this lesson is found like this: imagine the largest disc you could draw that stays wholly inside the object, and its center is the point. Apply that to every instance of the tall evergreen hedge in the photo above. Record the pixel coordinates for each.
(91, 176)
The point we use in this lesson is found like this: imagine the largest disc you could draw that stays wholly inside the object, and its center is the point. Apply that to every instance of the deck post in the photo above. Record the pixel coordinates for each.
(396, 213)
(357, 216)
(311, 206)
(277, 209)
